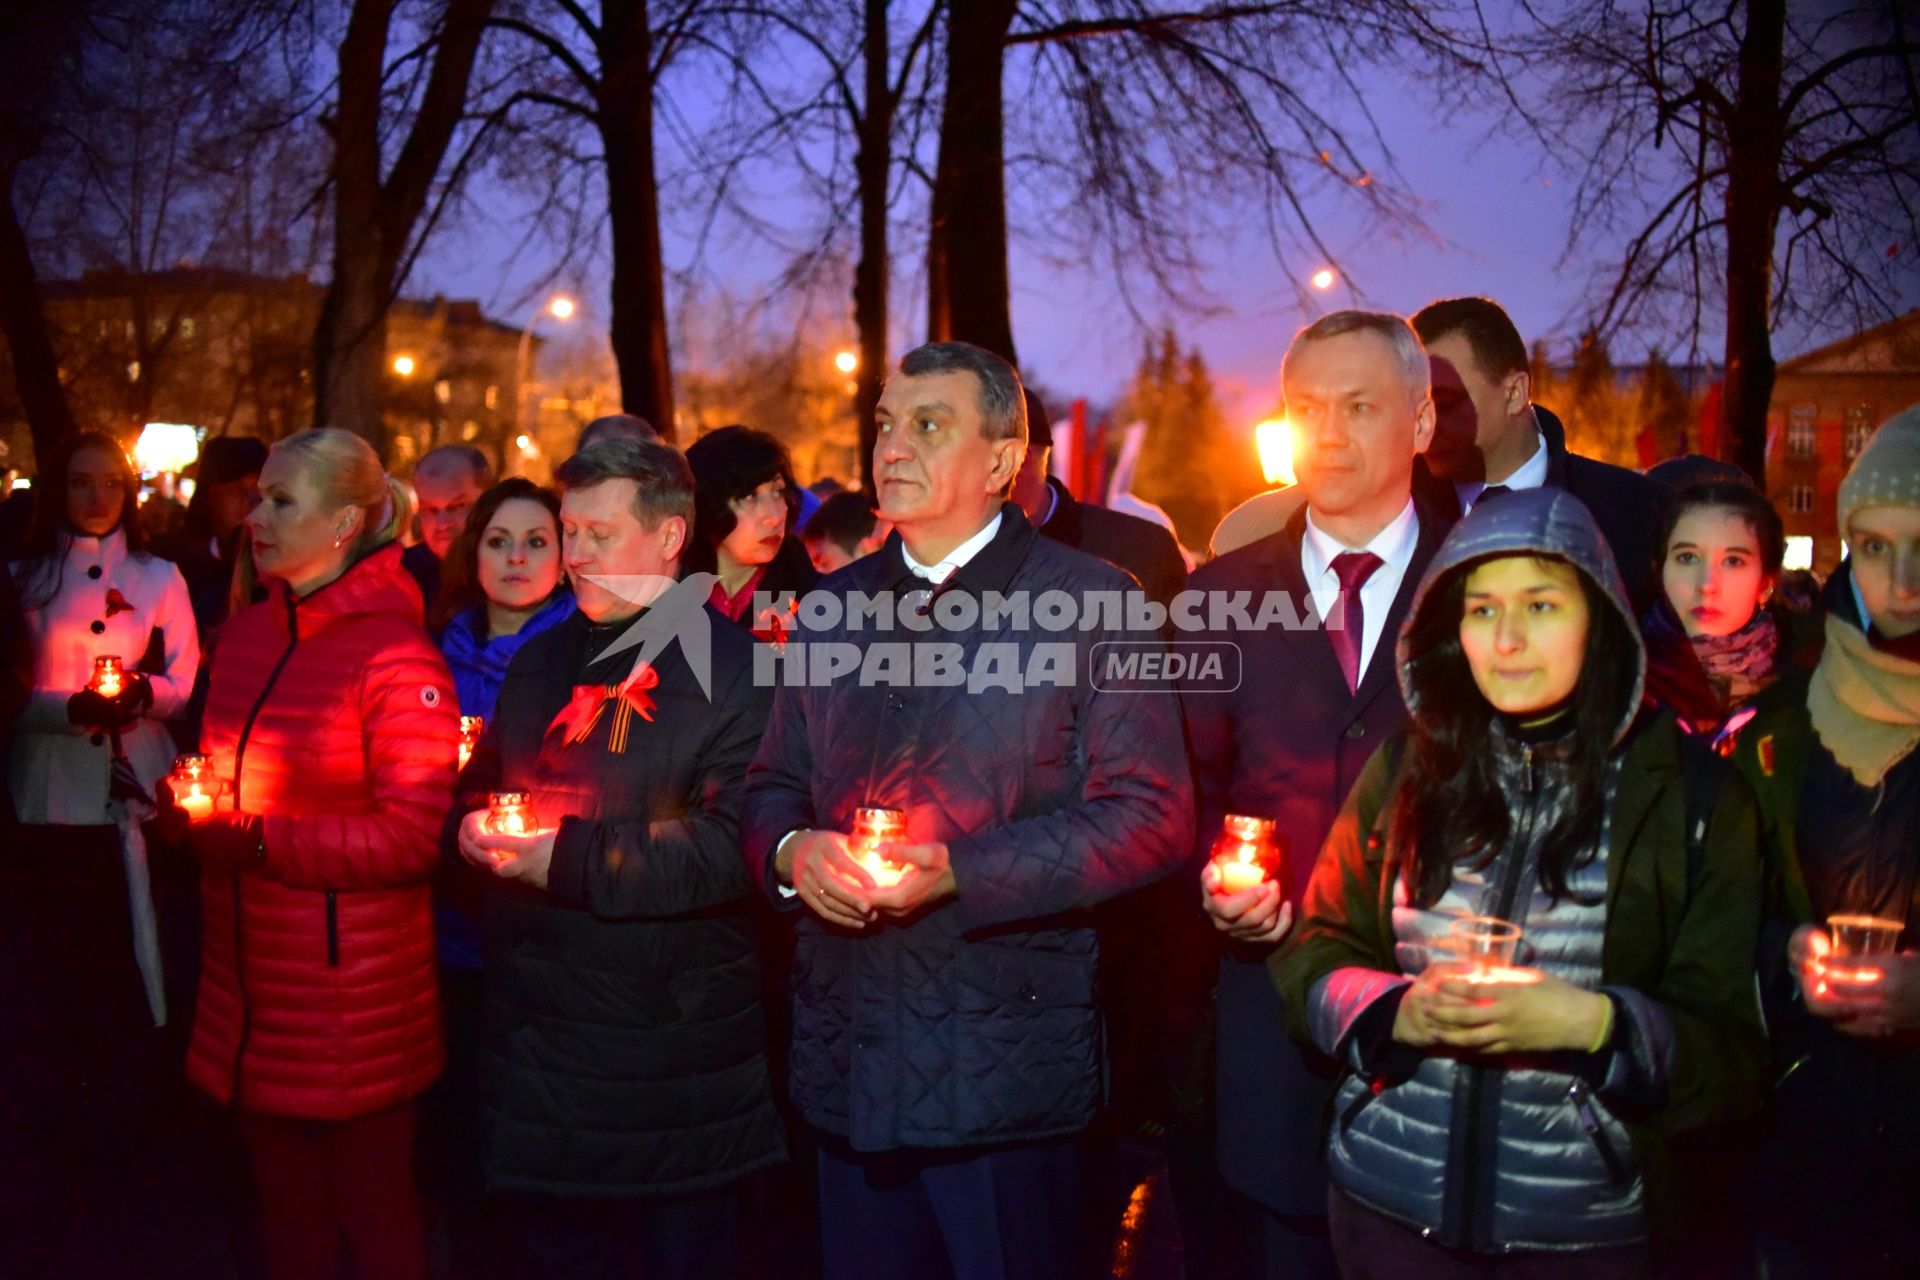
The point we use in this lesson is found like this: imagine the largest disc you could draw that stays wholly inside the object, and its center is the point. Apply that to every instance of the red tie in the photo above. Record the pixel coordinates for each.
(1353, 568)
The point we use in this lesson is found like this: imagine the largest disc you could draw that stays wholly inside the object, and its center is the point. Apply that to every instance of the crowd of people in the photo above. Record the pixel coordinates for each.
(565, 904)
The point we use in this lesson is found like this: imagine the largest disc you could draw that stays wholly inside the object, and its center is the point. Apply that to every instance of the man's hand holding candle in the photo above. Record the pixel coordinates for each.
(822, 871)
(928, 879)
(1257, 915)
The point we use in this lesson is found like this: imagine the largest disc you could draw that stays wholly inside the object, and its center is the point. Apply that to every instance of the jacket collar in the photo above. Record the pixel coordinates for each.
(1440, 496)
(376, 583)
(990, 570)
(1064, 525)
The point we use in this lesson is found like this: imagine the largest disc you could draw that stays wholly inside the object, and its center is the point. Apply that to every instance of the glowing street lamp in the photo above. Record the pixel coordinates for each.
(846, 362)
(404, 366)
(1323, 278)
(1274, 438)
(561, 308)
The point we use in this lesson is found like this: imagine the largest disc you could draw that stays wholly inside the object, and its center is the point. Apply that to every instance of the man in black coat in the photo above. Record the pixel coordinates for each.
(1313, 703)
(1490, 437)
(447, 481)
(623, 1076)
(1141, 547)
(946, 1044)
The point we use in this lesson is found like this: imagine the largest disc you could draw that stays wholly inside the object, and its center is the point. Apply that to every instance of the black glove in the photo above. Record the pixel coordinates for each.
(229, 841)
(88, 710)
(134, 699)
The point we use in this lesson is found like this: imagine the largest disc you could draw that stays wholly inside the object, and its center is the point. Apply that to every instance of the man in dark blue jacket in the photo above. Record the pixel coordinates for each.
(946, 1045)
(1314, 703)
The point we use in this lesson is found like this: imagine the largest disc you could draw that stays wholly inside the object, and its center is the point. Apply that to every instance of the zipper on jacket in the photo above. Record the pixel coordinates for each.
(239, 932)
(1582, 1101)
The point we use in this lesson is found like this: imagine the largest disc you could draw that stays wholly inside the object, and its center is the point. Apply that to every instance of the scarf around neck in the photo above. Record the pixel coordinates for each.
(1864, 703)
(1705, 677)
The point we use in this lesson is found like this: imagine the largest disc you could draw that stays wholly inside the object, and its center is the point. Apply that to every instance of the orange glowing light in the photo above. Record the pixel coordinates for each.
(1324, 278)
(1274, 438)
(871, 829)
(510, 813)
(1245, 855)
(108, 676)
(470, 729)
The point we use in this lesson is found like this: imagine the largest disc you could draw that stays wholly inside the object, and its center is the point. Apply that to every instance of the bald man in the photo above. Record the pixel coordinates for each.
(446, 484)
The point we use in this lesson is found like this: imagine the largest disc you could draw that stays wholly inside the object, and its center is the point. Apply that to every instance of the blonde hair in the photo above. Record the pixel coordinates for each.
(347, 472)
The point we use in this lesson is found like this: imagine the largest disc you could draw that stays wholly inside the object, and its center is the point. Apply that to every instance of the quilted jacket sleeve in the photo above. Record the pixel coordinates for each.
(1133, 823)
(411, 744)
(779, 790)
(1340, 959)
(675, 865)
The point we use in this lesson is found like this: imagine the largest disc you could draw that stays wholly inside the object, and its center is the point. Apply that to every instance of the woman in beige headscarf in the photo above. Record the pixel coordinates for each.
(1843, 1154)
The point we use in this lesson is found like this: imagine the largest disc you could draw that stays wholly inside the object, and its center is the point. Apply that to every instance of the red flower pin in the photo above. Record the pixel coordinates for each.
(117, 603)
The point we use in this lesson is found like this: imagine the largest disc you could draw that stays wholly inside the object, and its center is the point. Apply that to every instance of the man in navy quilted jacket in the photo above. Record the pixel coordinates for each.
(946, 1044)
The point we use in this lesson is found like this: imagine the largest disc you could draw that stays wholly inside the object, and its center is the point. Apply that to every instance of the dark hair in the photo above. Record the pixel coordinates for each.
(1738, 497)
(846, 520)
(1003, 407)
(730, 464)
(615, 426)
(48, 534)
(1489, 332)
(1448, 809)
(664, 483)
(460, 571)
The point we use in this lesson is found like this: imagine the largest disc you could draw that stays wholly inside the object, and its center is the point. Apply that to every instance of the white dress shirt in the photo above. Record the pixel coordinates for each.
(938, 573)
(1531, 474)
(1393, 544)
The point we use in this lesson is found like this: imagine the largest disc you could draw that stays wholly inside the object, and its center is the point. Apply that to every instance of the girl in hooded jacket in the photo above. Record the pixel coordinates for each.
(1835, 1185)
(1517, 1118)
(332, 720)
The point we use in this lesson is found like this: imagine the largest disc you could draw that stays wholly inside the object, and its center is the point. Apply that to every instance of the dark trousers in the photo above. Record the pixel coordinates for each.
(1371, 1246)
(565, 1238)
(330, 1188)
(1000, 1213)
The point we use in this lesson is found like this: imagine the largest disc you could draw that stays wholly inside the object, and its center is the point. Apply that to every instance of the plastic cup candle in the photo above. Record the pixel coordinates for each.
(1245, 855)
(108, 676)
(510, 813)
(1854, 938)
(193, 785)
(871, 829)
(470, 730)
(1487, 945)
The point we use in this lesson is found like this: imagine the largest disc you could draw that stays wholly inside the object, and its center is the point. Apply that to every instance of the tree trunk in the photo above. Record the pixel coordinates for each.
(36, 368)
(1753, 215)
(625, 108)
(874, 165)
(967, 295)
(374, 217)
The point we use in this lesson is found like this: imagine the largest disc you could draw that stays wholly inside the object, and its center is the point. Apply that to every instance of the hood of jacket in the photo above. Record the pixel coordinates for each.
(1549, 523)
(375, 583)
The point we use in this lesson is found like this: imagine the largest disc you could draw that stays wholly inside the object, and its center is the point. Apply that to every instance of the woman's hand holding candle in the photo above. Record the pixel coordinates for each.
(1256, 915)
(1528, 1011)
(1880, 1000)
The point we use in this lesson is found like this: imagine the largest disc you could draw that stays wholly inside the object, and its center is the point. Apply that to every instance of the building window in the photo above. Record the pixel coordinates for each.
(493, 397)
(443, 391)
(1799, 553)
(1859, 428)
(1800, 431)
(1800, 500)
(188, 328)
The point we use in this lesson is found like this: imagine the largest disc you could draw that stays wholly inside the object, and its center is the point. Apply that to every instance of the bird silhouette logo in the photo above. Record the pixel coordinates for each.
(670, 610)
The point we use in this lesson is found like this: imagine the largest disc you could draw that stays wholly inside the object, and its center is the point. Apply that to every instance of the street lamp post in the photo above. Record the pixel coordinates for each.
(560, 307)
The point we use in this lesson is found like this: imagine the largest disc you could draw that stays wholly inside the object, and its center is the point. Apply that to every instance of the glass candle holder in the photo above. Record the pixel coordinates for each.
(1486, 945)
(1855, 939)
(871, 829)
(194, 786)
(510, 813)
(109, 677)
(471, 728)
(1245, 855)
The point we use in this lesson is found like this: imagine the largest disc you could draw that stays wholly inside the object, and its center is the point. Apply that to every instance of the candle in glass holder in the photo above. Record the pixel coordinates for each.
(1857, 938)
(194, 786)
(1487, 946)
(1245, 855)
(871, 829)
(510, 813)
(470, 730)
(108, 676)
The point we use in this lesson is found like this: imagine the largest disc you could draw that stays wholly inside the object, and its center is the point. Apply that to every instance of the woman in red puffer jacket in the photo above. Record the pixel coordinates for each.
(333, 718)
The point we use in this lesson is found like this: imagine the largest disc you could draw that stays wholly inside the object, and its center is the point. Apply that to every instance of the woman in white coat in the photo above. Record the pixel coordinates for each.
(83, 991)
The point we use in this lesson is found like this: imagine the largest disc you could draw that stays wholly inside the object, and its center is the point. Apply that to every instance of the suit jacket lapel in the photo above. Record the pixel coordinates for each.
(1382, 666)
(1284, 573)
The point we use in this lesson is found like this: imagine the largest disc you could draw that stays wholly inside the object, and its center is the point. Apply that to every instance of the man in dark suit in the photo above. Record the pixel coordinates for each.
(1312, 704)
(1141, 547)
(447, 481)
(1490, 437)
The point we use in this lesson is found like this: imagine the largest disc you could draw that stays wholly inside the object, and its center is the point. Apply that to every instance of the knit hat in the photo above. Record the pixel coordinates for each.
(1887, 472)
